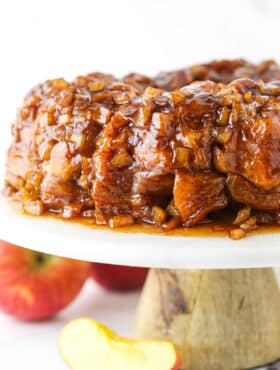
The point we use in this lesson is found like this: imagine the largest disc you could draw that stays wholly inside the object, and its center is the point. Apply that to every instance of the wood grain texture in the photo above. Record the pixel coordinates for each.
(219, 319)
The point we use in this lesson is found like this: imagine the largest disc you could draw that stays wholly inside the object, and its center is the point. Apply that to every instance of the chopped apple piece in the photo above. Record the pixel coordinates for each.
(86, 344)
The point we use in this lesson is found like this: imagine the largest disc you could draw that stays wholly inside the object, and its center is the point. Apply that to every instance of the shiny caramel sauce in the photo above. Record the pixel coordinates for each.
(210, 229)
(219, 226)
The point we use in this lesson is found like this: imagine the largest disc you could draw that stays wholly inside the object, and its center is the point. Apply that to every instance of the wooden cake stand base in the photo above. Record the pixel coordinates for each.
(219, 319)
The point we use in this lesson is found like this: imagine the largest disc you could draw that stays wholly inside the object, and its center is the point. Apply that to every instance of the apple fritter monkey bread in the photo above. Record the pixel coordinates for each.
(172, 150)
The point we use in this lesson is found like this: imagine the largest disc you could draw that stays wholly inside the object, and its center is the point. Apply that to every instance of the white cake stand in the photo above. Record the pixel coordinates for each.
(226, 316)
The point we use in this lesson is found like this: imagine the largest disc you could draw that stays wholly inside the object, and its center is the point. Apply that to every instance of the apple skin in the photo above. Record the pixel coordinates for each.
(34, 285)
(118, 278)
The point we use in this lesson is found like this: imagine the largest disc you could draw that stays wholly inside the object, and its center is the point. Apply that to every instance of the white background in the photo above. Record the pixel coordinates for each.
(51, 38)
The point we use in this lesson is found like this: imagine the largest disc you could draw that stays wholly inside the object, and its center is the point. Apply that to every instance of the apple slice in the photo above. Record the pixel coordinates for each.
(85, 344)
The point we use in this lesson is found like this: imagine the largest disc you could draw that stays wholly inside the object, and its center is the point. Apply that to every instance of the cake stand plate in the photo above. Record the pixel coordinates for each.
(55, 236)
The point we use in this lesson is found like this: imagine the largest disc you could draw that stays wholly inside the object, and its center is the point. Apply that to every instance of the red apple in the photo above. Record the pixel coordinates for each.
(120, 278)
(34, 285)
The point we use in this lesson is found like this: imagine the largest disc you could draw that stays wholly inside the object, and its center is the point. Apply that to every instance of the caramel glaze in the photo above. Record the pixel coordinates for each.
(218, 226)
(148, 151)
